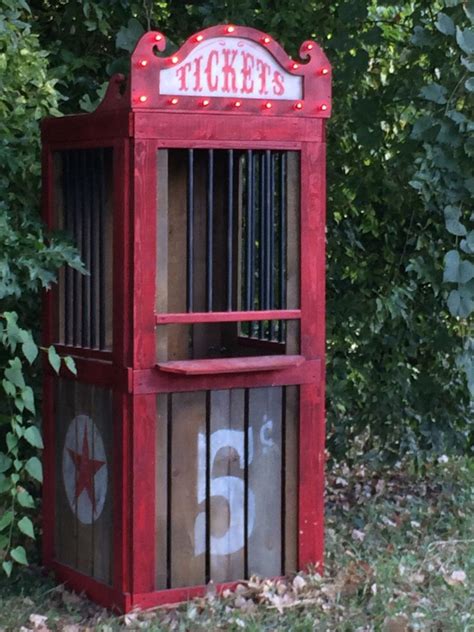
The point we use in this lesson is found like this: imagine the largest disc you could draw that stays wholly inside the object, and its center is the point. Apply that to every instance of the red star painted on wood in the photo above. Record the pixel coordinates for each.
(86, 469)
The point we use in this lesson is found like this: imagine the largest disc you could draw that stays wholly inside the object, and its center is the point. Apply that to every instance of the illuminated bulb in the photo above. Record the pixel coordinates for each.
(237, 104)
(310, 46)
(295, 66)
(230, 29)
(174, 59)
(324, 107)
(298, 105)
(158, 38)
(143, 63)
(199, 38)
(266, 40)
(268, 105)
(143, 98)
(205, 102)
(174, 101)
(324, 71)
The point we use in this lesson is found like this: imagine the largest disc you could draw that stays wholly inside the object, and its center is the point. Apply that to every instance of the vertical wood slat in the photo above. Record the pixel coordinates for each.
(190, 233)
(188, 477)
(83, 408)
(210, 229)
(290, 480)
(230, 226)
(264, 480)
(65, 550)
(226, 485)
(162, 483)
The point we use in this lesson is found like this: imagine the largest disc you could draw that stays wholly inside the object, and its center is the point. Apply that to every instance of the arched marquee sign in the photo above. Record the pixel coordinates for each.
(190, 445)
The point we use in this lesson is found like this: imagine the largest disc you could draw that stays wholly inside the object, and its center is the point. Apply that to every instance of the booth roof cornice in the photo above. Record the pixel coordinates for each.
(224, 69)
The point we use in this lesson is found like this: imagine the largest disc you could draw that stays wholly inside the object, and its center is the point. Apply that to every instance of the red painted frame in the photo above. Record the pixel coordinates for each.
(136, 131)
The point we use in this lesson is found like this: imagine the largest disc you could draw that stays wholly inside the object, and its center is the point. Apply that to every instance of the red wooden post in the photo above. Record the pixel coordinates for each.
(196, 196)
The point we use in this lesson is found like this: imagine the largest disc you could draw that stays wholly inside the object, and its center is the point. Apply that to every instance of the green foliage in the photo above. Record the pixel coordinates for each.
(28, 262)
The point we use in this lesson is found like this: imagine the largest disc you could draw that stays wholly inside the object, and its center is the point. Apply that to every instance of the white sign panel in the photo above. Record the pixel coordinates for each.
(230, 67)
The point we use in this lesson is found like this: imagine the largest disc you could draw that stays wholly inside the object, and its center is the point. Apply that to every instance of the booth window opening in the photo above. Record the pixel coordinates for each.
(239, 209)
(83, 209)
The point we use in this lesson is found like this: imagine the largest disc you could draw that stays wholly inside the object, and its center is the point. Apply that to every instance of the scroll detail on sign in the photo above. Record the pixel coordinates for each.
(233, 67)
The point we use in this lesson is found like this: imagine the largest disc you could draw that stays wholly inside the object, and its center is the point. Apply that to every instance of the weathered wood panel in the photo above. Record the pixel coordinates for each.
(226, 485)
(264, 480)
(162, 534)
(290, 479)
(188, 489)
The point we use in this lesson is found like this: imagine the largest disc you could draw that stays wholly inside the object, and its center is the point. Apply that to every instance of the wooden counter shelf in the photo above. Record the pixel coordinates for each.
(231, 365)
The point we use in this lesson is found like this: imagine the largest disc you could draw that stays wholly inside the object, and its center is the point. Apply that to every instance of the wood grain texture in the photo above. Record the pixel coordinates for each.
(161, 485)
(227, 462)
(232, 365)
(264, 480)
(162, 252)
(188, 472)
(290, 480)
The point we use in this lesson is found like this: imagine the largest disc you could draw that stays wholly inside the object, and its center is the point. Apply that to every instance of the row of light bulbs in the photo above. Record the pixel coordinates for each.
(298, 105)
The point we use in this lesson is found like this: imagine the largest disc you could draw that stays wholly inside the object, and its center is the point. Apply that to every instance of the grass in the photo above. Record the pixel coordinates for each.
(400, 558)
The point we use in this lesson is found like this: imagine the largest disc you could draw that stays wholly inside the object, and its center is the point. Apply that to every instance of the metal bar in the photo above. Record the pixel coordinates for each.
(248, 233)
(86, 245)
(230, 224)
(77, 230)
(66, 182)
(228, 317)
(169, 472)
(210, 229)
(94, 252)
(190, 234)
(268, 228)
(282, 244)
(246, 481)
(102, 247)
(261, 240)
(271, 236)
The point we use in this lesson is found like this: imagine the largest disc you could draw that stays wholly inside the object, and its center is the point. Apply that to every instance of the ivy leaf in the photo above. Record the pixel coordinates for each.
(71, 365)
(33, 436)
(469, 9)
(19, 555)
(7, 567)
(460, 303)
(9, 388)
(128, 36)
(470, 84)
(6, 520)
(452, 262)
(445, 25)
(26, 526)
(54, 359)
(453, 225)
(34, 468)
(465, 39)
(14, 373)
(434, 92)
(28, 399)
(25, 499)
(30, 350)
(5, 462)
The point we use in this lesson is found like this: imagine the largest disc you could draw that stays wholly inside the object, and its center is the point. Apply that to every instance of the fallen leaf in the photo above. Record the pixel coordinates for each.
(397, 624)
(456, 577)
(358, 535)
(299, 583)
(38, 621)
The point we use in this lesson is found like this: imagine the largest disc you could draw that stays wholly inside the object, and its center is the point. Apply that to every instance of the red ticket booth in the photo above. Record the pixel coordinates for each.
(190, 446)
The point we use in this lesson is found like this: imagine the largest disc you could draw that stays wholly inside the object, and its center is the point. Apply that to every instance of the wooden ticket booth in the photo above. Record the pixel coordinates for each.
(190, 446)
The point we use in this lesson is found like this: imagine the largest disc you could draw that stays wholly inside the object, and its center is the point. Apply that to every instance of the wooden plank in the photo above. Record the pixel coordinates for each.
(228, 317)
(66, 524)
(290, 480)
(178, 341)
(227, 463)
(232, 365)
(161, 485)
(102, 415)
(264, 482)
(83, 409)
(293, 254)
(188, 488)
(108, 226)
(157, 381)
(162, 251)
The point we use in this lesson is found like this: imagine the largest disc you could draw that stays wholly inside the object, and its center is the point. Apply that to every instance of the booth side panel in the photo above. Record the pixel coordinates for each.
(84, 478)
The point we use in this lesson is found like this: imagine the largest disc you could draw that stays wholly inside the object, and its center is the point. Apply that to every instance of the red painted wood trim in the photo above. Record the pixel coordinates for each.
(217, 366)
(312, 416)
(100, 593)
(143, 494)
(122, 534)
(97, 127)
(156, 381)
(82, 352)
(217, 128)
(227, 317)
